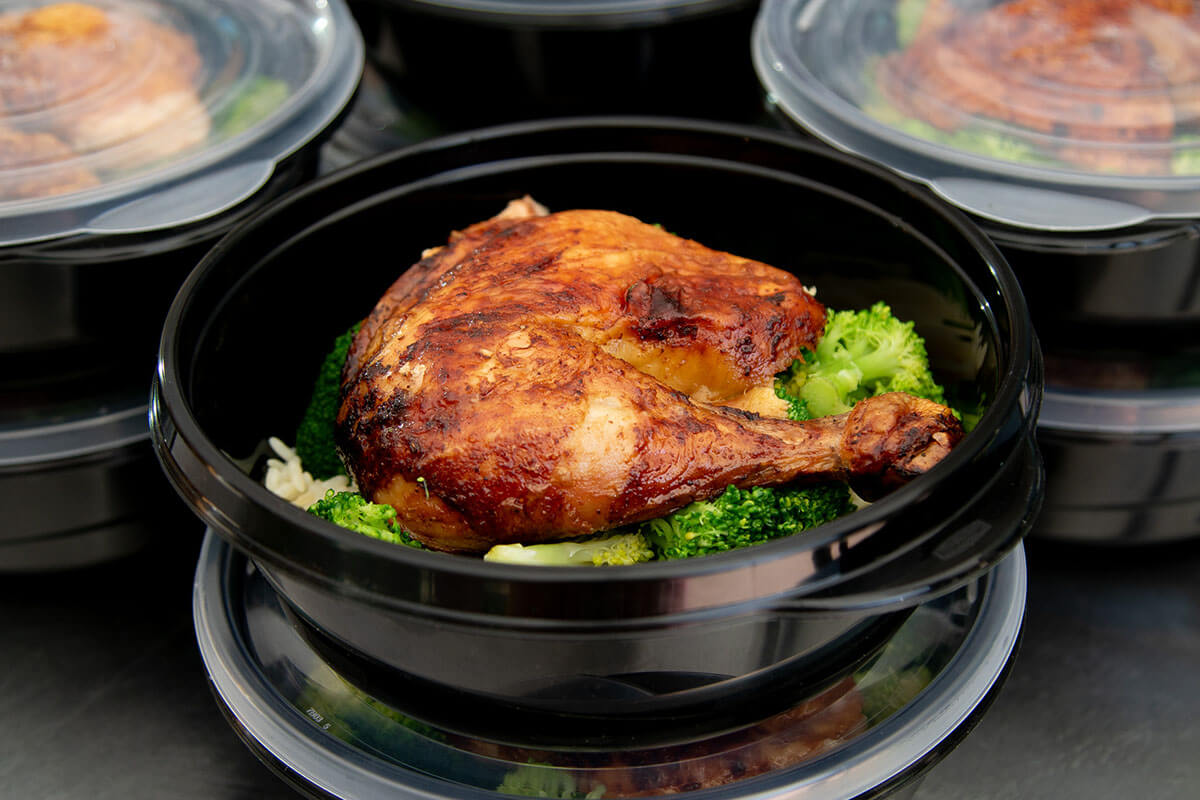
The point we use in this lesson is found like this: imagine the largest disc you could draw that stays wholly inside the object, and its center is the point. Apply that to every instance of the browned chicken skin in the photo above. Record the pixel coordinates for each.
(1100, 71)
(551, 376)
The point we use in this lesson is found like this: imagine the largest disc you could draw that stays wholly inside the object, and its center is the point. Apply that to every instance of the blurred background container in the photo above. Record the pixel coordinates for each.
(133, 135)
(1087, 177)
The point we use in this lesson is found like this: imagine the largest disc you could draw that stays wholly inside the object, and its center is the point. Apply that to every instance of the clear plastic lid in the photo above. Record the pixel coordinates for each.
(1048, 114)
(131, 115)
(558, 13)
(873, 726)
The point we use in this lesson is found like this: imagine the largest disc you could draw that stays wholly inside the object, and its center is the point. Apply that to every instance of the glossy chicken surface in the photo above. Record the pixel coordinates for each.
(1101, 71)
(541, 377)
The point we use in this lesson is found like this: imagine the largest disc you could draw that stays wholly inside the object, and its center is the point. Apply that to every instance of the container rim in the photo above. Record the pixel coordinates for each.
(1121, 412)
(991, 188)
(901, 747)
(235, 167)
(1011, 396)
(571, 13)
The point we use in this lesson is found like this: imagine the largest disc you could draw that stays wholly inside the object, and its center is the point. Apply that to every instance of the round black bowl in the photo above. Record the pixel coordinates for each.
(1136, 286)
(564, 647)
(929, 687)
(480, 63)
(86, 309)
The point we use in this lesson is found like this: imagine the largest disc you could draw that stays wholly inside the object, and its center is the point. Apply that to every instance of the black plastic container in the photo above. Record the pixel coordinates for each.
(875, 735)
(1120, 433)
(87, 272)
(541, 645)
(78, 482)
(479, 62)
(66, 303)
(1101, 228)
(1101, 224)
(1136, 286)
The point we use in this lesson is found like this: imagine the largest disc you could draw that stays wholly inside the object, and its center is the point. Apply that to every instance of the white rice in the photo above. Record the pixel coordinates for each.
(286, 478)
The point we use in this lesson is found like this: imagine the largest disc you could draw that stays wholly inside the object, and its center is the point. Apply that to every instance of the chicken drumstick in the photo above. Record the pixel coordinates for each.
(548, 376)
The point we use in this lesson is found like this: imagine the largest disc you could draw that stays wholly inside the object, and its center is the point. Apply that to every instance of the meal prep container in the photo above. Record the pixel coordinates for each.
(378, 120)
(1099, 218)
(926, 689)
(1121, 441)
(1102, 231)
(116, 175)
(265, 85)
(555, 651)
(478, 62)
(78, 482)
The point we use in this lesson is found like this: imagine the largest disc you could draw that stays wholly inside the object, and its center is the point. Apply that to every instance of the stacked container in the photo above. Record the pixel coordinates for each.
(133, 134)
(598, 665)
(477, 62)
(1070, 132)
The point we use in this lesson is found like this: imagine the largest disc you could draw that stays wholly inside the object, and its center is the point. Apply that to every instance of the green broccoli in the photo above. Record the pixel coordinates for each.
(353, 512)
(610, 550)
(797, 409)
(1186, 158)
(541, 780)
(314, 436)
(883, 697)
(741, 517)
(908, 20)
(254, 102)
(336, 700)
(862, 354)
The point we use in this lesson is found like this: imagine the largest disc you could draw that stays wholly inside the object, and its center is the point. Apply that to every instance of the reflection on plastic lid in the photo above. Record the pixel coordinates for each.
(887, 718)
(103, 100)
(1088, 97)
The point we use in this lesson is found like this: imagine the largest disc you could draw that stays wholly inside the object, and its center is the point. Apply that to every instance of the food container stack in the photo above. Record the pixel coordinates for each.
(1070, 132)
(875, 733)
(133, 134)
(352, 662)
(476, 62)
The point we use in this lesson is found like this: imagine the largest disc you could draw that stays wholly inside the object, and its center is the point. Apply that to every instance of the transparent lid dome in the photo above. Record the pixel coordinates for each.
(178, 107)
(1050, 114)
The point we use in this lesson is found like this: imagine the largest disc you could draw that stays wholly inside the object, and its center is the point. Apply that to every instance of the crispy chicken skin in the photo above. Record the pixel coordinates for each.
(552, 376)
(1101, 71)
(77, 79)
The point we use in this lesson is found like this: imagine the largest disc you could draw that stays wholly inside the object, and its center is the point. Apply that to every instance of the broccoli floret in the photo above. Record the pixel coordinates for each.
(908, 20)
(253, 103)
(612, 550)
(797, 409)
(741, 517)
(1186, 159)
(353, 512)
(540, 780)
(862, 354)
(338, 700)
(889, 694)
(314, 436)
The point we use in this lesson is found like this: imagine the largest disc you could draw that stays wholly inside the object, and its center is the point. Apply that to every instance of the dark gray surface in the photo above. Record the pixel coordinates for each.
(1104, 698)
(103, 691)
(104, 695)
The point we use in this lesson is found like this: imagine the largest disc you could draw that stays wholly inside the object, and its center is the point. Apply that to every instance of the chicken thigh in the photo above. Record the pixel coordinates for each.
(548, 376)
